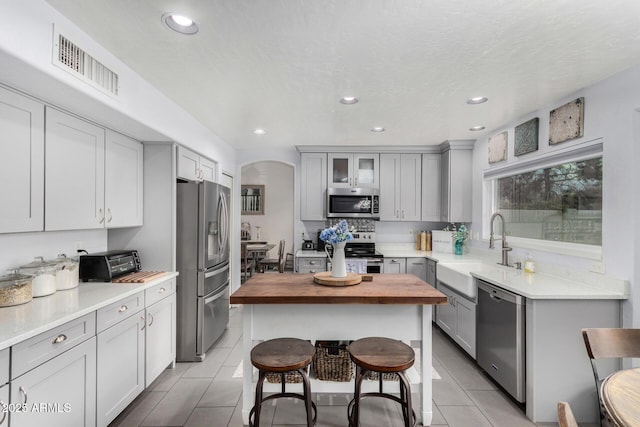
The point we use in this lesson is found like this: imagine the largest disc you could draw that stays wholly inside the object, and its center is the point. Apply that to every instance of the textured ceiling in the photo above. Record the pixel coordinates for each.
(283, 64)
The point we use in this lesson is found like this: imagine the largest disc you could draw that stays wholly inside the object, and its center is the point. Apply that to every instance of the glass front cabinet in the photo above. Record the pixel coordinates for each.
(348, 170)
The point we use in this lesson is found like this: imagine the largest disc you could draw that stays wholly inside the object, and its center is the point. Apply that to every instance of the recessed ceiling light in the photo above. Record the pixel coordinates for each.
(259, 131)
(378, 129)
(348, 100)
(476, 128)
(477, 100)
(180, 23)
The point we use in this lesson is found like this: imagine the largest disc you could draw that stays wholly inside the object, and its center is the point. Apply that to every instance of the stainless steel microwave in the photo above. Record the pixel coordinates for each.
(353, 203)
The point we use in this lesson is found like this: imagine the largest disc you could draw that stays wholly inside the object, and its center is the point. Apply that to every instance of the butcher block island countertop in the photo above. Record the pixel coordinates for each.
(397, 306)
(301, 289)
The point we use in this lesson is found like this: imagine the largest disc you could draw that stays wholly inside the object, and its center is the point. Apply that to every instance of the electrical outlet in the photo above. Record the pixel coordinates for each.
(78, 244)
(597, 267)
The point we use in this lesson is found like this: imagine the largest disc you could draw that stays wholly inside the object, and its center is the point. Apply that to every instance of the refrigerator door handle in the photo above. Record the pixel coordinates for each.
(219, 294)
(210, 274)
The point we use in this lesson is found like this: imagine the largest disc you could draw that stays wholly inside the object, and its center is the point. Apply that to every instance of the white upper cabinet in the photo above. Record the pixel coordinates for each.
(94, 177)
(313, 186)
(194, 167)
(74, 195)
(456, 169)
(400, 187)
(123, 181)
(431, 187)
(21, 163)
(348, 170)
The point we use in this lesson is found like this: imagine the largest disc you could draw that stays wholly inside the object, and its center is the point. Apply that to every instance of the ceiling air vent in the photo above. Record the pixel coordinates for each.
(71, 58)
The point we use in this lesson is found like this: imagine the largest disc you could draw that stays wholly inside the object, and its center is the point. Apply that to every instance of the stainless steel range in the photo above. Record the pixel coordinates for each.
(363, 244)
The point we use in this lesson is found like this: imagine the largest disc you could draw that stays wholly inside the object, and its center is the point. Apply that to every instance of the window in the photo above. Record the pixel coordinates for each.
(561, 203)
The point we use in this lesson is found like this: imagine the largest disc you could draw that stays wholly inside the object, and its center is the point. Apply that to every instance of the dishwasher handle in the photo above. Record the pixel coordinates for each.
(498, 294)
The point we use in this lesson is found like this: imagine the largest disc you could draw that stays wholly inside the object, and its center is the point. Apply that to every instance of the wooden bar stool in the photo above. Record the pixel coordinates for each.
(382, 355)
(280, 356)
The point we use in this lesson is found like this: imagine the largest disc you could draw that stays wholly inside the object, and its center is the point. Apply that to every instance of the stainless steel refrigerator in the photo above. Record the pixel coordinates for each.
(203, 263)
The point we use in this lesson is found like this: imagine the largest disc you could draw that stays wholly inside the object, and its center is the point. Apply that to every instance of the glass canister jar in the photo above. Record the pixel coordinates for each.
(15, 289)
(44, 276)
(67, 272)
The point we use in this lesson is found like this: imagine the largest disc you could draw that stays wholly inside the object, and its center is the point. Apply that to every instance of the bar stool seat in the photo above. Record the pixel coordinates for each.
(282, 355)
(382, 355)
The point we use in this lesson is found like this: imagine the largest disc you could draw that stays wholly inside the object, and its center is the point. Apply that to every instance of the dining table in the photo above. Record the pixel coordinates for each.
(259, 251)
(620, 394)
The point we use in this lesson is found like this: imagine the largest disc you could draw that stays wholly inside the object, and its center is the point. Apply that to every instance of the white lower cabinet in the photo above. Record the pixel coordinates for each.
(120, 368)
(311, 264)
(458, 319)
(417, 267)
(60, 392)
(394, 265)
(160, 340)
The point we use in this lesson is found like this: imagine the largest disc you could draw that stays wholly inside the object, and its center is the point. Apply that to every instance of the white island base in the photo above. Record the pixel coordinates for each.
(409, 323)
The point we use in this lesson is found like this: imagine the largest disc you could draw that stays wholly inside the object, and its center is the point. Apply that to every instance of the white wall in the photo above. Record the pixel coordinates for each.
(611, 111)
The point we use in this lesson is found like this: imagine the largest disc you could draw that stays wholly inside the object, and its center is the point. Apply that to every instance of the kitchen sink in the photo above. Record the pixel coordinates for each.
(458, 276)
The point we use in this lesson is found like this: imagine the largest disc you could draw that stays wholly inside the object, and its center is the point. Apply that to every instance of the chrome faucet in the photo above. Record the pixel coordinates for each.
(505, 246)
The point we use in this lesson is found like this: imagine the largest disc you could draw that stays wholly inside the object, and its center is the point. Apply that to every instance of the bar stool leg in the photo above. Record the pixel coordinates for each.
(258, 403)
(407, 409)
(307, 396)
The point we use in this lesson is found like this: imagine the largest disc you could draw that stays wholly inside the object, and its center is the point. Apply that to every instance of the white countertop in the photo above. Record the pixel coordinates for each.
(310, 254)
(24, 321)
(563, 284)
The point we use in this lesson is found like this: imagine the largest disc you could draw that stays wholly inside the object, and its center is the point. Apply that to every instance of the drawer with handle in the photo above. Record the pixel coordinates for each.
(312, 265)
(34, 351)
(118, 311)
(159, 291)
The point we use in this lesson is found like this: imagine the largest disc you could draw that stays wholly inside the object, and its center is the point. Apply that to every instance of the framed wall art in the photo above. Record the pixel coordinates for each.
(498, 147)
(566, 122)
(526, 137)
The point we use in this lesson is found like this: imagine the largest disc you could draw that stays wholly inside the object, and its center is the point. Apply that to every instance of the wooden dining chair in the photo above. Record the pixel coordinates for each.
(247, 265)
(609, 343)
(565, 416)
(277, 263)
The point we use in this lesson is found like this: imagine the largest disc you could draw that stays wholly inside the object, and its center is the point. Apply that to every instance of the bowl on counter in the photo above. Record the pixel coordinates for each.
(15, 289)
(44, 276)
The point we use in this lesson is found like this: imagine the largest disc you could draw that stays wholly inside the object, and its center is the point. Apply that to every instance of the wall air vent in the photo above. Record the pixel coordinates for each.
(72, 58)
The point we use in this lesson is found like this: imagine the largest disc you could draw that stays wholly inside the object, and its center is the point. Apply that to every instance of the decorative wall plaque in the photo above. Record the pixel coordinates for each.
(498, 147)
(526, 137)
(566, 122)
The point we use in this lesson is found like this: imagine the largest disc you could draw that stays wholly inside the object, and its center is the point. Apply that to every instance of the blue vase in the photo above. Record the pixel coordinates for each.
(457, 245)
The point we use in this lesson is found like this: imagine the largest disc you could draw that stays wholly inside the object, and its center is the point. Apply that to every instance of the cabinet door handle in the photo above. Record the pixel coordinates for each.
(397, 214)
(312, 271)
(151, 323)
(356, 181)
(110, 216)
(24, 393)
(101, 216)
(60, 338)
(162, 290)
(144, 323)
(349, 182)
(312, 263)
(402, 213)
(122, 308)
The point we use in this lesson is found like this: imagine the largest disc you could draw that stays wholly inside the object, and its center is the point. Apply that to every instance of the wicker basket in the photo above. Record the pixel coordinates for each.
(331, 362)
(387, 376)
(291, 377)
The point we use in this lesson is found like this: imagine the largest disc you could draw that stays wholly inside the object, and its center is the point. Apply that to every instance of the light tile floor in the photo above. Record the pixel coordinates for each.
(206, 394)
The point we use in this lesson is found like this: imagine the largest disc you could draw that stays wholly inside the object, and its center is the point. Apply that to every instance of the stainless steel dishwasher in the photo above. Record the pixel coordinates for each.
(500, 337)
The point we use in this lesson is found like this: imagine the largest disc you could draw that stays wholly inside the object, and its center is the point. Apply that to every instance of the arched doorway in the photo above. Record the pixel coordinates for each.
(276, 221)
